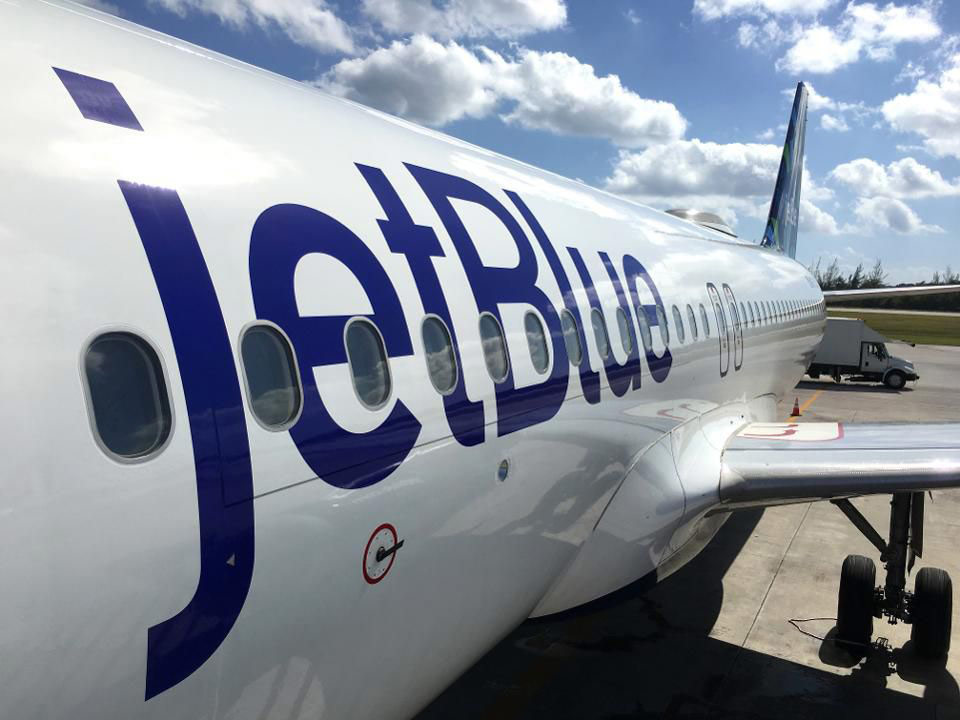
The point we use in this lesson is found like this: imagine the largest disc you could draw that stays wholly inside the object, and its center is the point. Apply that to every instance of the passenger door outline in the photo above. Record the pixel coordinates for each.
(737, 327)
(723, 328)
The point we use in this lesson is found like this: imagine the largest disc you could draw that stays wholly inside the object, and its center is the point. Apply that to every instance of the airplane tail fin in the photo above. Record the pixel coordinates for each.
(781, 232)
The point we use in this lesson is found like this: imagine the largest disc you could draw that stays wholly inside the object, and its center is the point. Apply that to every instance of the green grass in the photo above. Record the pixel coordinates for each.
(920, 329)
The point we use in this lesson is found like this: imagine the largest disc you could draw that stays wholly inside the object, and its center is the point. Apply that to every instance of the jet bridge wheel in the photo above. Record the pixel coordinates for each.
(856, 599)
(931, 610)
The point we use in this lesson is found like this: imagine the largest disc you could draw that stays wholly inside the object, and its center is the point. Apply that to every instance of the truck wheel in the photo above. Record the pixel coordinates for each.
(895, 380)
(931, 610)
(855, 601)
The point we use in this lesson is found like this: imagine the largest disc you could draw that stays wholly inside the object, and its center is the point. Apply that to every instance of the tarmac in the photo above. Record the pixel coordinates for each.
(715, 640)
(935, 313)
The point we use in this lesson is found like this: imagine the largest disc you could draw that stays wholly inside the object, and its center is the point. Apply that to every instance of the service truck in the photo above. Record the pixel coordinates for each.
(850, 347)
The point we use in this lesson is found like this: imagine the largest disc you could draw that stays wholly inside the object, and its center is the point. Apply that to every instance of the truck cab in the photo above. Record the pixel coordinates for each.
(851, 348)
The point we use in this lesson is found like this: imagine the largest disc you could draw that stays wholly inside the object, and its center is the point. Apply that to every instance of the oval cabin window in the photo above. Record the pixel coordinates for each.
(678, 324)
(600, 333)
(571, 337)
(441, 360)
(127, 395)
(662, 323)
(537, 342)
(646, 337)
(692, 321)
(494, 348)
(705, 320)
(368, 363)
(626, 334)
(273, 387)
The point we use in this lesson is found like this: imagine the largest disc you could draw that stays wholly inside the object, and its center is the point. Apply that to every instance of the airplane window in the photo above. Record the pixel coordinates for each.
(705, 320)
(756, 312)
(692, 319)
(537, 343)
(600, 332)
(571, 337)
(269, 369)
(753, 319)
(368, 363)
(678, 324)
(626, 340)
(441, 360)
(743, 314)
(494, 348)
(662, 322)
(127, 395)
(645, 335)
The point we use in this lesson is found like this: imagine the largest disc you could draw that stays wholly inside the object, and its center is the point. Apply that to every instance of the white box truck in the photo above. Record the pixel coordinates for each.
(851, 348)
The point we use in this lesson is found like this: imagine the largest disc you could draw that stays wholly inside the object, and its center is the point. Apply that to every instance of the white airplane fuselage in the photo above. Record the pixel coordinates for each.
(225, 576)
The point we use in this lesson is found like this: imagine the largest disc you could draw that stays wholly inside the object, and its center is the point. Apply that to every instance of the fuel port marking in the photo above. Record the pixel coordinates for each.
(380, 553)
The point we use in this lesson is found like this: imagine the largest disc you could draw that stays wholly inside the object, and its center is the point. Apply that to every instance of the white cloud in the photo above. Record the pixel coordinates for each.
(715, 9)
(911, 71)
(816, 101)
(864, 30)
(633, 16)
(932, 111)
(760, 35)
(420, 79)
(467, 18)
(904, 178)
(819, 50)
(886, 213)
(767, 134)
(556, 92)
(833, 123)
(436, 83)
(725, 178)
(813, 219)
(311, 23)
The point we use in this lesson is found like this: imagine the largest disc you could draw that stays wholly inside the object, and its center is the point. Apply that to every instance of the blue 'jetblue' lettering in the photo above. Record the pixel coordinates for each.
(282, 235)
(517, 408)
(589, 379)
(419, 244)
(632, 365)
(619, 376)
(633, 270)
(181, 644)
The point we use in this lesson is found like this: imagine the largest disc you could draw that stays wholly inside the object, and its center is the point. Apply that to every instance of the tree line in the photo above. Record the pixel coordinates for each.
(832, 278)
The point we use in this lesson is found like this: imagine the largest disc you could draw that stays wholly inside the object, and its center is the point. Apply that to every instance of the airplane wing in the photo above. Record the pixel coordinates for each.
(781, 463)
(839, 296)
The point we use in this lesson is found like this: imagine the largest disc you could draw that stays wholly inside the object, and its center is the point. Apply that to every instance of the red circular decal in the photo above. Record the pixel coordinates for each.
(383, 538)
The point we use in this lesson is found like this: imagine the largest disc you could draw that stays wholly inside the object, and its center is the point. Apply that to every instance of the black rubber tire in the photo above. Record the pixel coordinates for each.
(814, 375)
(855, 600)
(932, 613)
(895, 380)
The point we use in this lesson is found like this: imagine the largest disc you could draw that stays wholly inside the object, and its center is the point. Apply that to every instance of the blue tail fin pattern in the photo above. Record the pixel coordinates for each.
(781, 232)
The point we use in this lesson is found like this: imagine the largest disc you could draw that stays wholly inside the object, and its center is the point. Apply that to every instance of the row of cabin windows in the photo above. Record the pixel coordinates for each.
(130, 408)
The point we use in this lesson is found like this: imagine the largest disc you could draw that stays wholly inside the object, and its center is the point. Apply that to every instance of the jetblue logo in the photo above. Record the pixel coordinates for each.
(281, 236)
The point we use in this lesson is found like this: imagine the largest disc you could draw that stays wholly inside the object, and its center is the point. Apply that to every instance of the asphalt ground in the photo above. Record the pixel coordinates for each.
(714, 640)
(882, 311)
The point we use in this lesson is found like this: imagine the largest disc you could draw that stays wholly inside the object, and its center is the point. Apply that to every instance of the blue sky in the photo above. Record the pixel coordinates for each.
(671, 102)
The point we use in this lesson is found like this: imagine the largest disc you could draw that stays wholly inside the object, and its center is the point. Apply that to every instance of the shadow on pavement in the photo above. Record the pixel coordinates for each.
(847, 386)
(645, 652)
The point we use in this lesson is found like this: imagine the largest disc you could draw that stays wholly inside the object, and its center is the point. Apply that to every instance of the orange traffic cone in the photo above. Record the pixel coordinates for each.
(796, 408)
